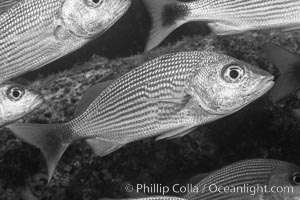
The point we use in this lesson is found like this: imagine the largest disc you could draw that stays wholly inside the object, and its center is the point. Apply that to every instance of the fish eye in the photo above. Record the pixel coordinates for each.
(15, 93)
(296, 179)
(93, 3)
(233, 73)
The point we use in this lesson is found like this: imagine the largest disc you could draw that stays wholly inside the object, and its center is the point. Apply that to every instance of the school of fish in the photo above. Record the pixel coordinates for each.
(166, 97)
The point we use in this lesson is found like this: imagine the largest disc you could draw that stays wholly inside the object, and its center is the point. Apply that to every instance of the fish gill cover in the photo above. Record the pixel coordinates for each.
(262, 129)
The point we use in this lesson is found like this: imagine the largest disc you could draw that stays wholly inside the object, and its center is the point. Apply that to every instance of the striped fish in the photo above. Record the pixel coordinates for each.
(258, 179)
(166, 97)
(34, 33)
(223, 16)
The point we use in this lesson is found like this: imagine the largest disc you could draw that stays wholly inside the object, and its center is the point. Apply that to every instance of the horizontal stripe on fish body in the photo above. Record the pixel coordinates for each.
(131, 106)
(167, 97)
(224, 17)
(34, 33)
(244, 176)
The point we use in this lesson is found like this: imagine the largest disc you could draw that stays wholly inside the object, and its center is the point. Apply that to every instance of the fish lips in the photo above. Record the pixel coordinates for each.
(265, 85)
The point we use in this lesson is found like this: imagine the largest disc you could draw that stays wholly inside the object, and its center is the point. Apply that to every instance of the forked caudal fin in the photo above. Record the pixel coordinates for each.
(46, 137)
(288, 64)
(166, 16)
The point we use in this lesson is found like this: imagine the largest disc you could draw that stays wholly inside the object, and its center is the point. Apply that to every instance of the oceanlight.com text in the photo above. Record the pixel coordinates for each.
(212, 188)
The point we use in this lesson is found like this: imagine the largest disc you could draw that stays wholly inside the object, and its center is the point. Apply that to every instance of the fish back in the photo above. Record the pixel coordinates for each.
(23, 36)
(241, 174)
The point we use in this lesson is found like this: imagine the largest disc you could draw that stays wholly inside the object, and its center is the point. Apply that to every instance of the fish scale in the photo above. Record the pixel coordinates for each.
(224, 17)
(167, 97)
(253, 14)
(22, 30)
(125, 101)
(248, 173)
(34, 33)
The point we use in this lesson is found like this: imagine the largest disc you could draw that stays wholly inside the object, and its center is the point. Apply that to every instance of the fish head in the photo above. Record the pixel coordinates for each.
(17, 101)
(90, 18)
(284, 182)
(225, 84)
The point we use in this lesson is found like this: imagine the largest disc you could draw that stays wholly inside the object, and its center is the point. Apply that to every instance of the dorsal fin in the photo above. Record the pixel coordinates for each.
(90, 95)
(288, 64)
(7, 4)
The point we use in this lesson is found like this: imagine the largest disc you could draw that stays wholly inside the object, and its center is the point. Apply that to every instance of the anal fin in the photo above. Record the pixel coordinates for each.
(183, 133)
(174, 133)
(102, 147)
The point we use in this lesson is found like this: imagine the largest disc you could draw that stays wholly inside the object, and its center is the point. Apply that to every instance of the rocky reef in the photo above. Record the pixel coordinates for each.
(261, 130)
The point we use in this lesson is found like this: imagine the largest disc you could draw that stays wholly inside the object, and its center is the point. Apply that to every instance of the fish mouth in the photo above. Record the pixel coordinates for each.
(265, 85)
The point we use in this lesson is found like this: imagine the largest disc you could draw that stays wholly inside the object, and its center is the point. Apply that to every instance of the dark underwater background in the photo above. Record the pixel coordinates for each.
(260, 130)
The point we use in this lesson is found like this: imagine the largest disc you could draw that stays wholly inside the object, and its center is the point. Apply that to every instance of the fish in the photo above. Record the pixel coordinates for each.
(223, 17)
(255, 179)
(288, 65)
(166, 98)
(17, 101)
(34, 33)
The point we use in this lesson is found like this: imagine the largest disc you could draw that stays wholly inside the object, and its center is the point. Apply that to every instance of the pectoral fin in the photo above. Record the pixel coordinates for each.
(178, 100)
(222, 28)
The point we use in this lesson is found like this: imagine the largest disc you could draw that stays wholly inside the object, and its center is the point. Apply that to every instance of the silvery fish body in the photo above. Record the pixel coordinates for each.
(167, 97)
(16, 101)
(223, 16)
(34, 33)
(256, 179)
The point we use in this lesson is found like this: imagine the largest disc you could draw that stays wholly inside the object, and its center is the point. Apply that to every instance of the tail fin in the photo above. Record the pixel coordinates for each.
(46, 137)
(288, 64)
(167, 15)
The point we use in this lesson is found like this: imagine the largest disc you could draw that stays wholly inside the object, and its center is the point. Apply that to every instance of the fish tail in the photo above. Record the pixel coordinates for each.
(288, 64)
(166, 15)
(47, 137)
